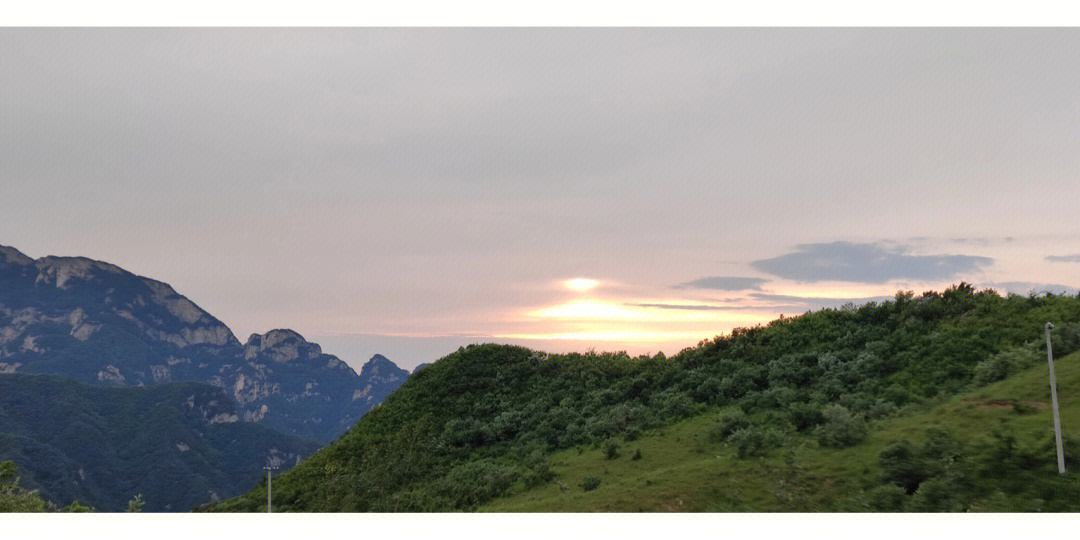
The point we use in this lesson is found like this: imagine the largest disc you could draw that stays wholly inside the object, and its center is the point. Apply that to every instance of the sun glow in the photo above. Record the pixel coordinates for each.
(586, 309)
(581, 284)
(618, 336)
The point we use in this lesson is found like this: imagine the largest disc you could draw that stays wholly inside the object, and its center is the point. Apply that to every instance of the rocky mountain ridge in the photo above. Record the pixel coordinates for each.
(100, 324)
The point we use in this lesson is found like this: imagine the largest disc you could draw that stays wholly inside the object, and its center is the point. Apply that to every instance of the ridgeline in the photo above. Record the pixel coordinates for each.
(933, 403)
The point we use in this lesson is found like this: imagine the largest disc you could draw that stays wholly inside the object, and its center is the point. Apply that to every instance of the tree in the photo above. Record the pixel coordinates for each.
(77, 508)
(13, 498)
(136, 504)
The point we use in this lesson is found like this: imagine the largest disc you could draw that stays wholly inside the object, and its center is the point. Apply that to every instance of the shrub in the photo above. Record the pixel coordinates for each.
(476, 481)
(136, 504)
(77, 508)
(590, 483)
(637, 455)
(804, 416)
(901, 466)
(729, 423)
(1004, 363)
(753, 441)
(610, 449)
(539, 470)
(1065, 338)
(937, 495)
(840, 427)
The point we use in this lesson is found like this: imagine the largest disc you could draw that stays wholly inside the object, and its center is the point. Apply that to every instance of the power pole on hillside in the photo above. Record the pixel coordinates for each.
(270, 486)
(1054, 400)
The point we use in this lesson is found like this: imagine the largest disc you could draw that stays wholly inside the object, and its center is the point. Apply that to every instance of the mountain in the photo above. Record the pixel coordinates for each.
(935, 402)
(100, 324)
(176, 444)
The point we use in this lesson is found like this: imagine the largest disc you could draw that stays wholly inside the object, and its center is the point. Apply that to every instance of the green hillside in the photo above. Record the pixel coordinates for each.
(806, 413)
(685, 468)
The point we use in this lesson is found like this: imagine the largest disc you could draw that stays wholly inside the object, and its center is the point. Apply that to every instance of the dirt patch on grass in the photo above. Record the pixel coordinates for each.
(1006, 403)
(991, 403)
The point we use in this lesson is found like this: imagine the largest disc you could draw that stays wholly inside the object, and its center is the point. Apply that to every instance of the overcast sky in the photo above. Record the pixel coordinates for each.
(408, 191)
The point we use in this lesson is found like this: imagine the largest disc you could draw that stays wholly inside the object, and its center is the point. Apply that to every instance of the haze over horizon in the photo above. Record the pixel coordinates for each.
(406, 192)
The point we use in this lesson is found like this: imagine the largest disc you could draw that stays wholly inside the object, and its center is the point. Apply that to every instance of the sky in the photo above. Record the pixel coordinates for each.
(408, 191)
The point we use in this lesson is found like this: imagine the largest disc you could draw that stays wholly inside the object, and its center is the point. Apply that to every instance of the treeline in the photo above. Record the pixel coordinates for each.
(14, 497)
(481, 422)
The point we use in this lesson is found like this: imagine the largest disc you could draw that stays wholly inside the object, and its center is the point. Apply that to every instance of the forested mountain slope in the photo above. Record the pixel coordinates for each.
(176, 444)
(490, 422)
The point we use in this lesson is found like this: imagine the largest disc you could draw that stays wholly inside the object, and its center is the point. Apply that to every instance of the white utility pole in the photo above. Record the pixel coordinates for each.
(270, 486)
(1053, 398)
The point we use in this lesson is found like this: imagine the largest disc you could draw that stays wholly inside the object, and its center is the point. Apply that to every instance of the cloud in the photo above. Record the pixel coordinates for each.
(815, 302)
(699, 307)
(1063, 258)
(768, 302)
(1027, 287)
(875, 262)
(724, 283)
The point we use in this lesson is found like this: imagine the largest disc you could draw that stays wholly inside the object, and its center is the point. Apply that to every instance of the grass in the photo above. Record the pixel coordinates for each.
(680, 469)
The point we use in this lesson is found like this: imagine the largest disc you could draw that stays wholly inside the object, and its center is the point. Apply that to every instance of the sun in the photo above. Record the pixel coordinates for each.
(580, 284)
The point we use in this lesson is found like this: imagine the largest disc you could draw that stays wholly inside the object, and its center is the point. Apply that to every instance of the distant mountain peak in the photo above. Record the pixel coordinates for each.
(274, 337)
(11, 255)
(101, 324)
(60, 271)
(379, 366)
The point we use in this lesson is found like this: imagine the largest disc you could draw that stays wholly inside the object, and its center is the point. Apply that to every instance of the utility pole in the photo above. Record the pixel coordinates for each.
(1053, 398)
(270, 486)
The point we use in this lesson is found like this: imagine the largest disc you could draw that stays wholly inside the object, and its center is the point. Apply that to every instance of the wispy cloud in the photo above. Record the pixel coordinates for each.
(805, 303)
(1027, 287)
(876, 262)
(1063, 258)
(698, 307)
(724, 283)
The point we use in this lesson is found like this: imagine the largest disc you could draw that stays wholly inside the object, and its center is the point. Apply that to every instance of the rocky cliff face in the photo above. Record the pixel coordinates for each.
(101, 324)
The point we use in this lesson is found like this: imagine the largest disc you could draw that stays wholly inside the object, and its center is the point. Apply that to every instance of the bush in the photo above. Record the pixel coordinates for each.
(476, 481)
(729, 423)
(637, 455)
(901, 466)
(937, 495)
(539, 470)
(1004, 363)
(610, 449)
(840, 427)
(590, 483)
(77, 508)
(1065, 338)
(755, 441)
(804, 416)
(136, 504)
